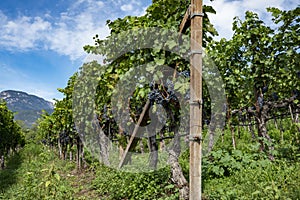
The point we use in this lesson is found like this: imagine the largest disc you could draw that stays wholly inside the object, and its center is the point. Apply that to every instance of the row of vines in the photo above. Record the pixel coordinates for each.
(11, 136)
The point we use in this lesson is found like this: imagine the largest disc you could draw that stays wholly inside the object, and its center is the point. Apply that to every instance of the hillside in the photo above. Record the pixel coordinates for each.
(26, 107)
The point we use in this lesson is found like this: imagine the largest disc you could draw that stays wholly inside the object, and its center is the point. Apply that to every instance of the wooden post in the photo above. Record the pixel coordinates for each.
(196, 15)
(184, 23)
(124, 157)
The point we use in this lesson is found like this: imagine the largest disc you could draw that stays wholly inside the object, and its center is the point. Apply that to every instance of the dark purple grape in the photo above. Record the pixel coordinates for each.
(172, 97)
(159, 99)
(152, 95)
(275, 96)
(44, 141)
(265, 89)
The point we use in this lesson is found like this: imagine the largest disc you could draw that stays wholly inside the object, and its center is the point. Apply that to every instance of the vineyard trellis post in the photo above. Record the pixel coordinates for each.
(195, 14)
(133, 136)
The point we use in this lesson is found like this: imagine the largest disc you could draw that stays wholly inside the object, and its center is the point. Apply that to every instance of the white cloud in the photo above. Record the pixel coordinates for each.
(22, 33)
(259, 5)
(70, 35)
(227, 10)
(133, 7)
(127, 7)
(65, 34)
(76, 28)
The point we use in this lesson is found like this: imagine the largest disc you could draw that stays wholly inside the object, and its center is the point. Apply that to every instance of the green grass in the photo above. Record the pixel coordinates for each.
(36, 172)
(9, 175)
(268, 180)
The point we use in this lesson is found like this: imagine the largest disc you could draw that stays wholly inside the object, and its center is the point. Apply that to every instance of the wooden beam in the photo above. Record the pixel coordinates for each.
(184, 23)
(196, 14)
(132, 138)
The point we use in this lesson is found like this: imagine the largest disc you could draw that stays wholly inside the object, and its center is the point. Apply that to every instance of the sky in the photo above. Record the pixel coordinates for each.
(41, 42)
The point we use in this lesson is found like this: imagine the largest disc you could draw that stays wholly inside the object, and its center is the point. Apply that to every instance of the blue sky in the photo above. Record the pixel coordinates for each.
(41, 41)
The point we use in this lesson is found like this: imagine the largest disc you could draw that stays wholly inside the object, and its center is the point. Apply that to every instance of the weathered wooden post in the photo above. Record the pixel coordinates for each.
(132, 138)
(196, 15)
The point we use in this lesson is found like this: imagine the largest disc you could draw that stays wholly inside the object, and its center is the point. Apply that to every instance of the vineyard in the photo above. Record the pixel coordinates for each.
(121, 130)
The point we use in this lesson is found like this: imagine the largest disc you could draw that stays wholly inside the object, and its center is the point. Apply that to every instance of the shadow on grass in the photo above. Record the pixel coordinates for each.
(8, 176)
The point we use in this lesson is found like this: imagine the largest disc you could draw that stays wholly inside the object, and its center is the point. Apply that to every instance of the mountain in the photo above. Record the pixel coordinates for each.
(26, 107)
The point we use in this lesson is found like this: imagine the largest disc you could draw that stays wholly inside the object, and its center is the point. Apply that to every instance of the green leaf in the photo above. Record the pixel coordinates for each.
(160, 61)
(57, 177)
(47, 183)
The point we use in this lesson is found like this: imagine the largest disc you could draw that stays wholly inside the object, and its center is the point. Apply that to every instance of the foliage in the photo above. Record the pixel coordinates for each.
(61, 120)
(278, 180)
(11, 135)
(244, 173)
(259, 67)
(114, 184)
(258, 56)
(34, 172)
(247, 173)
(129, 47)
(58, 129)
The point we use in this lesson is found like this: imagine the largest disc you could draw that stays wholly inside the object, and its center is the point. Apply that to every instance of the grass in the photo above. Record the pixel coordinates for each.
(36, 172)
(9, 175)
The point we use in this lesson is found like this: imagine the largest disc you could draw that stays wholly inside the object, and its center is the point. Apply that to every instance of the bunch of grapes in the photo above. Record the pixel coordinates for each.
(162, 96)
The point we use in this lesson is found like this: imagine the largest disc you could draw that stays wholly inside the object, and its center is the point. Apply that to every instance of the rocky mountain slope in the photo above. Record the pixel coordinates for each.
(27, 107)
